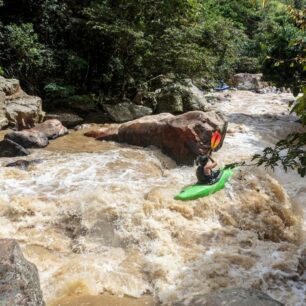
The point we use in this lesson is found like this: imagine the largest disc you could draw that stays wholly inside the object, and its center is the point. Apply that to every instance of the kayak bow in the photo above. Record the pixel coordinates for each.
(196, 191)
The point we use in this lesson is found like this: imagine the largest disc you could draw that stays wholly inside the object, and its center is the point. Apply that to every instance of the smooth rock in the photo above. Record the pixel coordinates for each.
(180, 137)
(28, 138)
(9, 148)
(19, 281)
(38, 137)
(52, 128)
(232, 297)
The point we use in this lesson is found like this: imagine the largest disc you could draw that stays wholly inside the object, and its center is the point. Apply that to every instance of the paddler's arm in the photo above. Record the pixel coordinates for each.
(214, 163)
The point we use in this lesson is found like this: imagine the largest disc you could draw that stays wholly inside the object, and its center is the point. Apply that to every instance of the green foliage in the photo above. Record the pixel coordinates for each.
(115, 46)
(290, 69)
(294, 158)
(22, 55)
(54, 90)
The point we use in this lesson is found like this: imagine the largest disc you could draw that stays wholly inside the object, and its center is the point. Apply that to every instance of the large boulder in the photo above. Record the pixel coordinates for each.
(10, 148)
(52, 128)
(18, 108)
(232, 297)
(126, 111)
(24, 111)
(177, 98)
(38, 137)
(19, 281)
(249, 81)
(3, 119)
(181, 137)
(165, 94)
(28, 138)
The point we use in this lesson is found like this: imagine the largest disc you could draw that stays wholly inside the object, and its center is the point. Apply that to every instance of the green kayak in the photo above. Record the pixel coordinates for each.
(197, 191)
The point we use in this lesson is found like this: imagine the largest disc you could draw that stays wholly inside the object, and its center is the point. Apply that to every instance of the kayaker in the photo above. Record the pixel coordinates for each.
(204, 172)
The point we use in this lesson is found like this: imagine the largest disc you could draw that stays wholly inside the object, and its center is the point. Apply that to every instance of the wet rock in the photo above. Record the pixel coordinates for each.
(126, 111)
(232, 297)
(249, 81)
(180, 137)
(19, 109)
(107, 132)
(23, 164)
(52, 128)
(38, 137)
(9, 148)
(67, 118)
(28, 138)
(19, 282)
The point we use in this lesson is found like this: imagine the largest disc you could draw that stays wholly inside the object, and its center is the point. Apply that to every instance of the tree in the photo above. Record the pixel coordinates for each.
(294, 62)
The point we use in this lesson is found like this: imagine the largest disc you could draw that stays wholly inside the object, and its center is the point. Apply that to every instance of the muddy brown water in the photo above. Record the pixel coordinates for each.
(100, 221)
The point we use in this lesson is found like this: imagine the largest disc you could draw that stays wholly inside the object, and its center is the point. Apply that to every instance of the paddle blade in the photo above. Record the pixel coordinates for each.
(215, 140)
(223, 134)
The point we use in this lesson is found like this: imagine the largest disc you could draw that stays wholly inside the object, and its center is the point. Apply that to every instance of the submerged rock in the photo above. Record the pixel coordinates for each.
(232, 297)
(23, 164)
(9, 148)
(19, 282)
(180, 137)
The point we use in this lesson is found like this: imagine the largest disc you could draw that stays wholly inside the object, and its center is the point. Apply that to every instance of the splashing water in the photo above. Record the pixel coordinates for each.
(99, 217)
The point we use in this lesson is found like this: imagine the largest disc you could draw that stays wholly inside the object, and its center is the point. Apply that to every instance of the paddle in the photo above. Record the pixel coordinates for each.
(215, 141)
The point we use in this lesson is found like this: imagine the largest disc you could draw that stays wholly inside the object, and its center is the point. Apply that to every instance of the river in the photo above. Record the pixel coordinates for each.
(99, 220)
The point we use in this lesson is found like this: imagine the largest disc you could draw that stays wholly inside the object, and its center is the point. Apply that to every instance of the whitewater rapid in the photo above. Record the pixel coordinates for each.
(100, 217)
